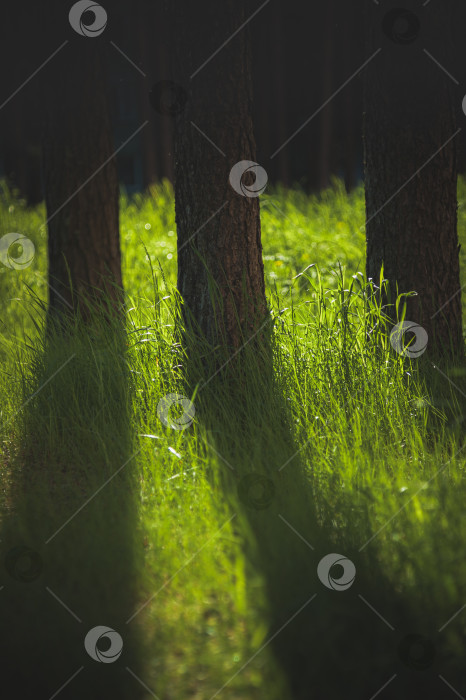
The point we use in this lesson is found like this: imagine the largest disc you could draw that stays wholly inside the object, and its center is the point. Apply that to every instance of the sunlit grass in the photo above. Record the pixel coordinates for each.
(361, 448)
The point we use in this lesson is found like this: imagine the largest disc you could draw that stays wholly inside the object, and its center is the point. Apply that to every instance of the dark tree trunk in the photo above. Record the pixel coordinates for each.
(352, 97)
(350, 141)
(410, 140)
(83, 223)
(278, 89)
(165, 125)
(150, 152)
(220, 268)
(326, 116)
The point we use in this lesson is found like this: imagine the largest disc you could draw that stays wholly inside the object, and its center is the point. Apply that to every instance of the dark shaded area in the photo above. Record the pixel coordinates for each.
(302, 55)
(69, 552)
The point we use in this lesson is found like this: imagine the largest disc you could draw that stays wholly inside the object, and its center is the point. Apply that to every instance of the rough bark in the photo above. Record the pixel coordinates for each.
(83, 222)
(411, 166)
(220, 268)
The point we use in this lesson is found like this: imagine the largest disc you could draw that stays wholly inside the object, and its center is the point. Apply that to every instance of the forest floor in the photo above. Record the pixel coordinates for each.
(200, 547)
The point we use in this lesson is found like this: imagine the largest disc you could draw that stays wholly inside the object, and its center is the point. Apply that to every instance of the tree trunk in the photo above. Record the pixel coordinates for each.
(278, 88)
(410, 142)
(81, 181)
(220, 268)
(326, 116)
(352, 97)
(150, 150)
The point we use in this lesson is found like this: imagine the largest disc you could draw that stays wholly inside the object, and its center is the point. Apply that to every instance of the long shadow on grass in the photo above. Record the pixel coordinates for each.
(333, 636)
(69, 554)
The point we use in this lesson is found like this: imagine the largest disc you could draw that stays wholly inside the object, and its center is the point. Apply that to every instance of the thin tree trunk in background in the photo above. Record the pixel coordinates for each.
(263, 105)
(352, 99)
(166, 124)
(220, 268)
(350, 143)
(326, 117)
(149, 143)
(411, 168)
(149, 153)
(279, 85)
(83, 222)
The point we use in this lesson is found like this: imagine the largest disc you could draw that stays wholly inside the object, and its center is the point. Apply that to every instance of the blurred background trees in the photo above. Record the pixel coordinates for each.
(301, 55)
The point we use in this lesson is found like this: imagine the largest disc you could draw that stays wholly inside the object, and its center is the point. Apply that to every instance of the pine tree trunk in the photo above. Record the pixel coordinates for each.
(410, 142)
(83, 222)
(220, 268)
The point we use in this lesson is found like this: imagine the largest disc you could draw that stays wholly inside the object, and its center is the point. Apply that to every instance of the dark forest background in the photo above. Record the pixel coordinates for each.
(302, 54)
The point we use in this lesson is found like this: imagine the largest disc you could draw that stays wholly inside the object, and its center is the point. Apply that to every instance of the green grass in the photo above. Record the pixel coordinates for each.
(358, 450)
